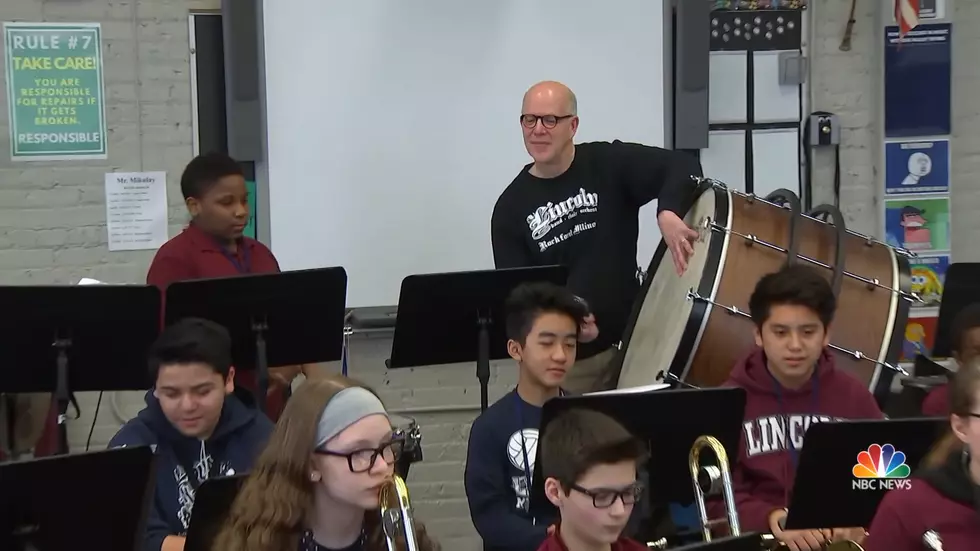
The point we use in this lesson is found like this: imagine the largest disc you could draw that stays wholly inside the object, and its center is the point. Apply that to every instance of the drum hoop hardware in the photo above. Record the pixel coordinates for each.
(871, 283)
(856, 354)
(753, 197)
(795, 210)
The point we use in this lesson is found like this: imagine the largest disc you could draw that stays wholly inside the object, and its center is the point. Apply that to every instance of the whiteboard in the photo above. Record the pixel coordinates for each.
(393, 126)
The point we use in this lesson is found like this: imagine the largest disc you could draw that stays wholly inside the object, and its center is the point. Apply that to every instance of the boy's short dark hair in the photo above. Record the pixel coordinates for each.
(204, 171)
(192, 340)
(578, 439)
(529, 300)
(966, 319)
(796, 285)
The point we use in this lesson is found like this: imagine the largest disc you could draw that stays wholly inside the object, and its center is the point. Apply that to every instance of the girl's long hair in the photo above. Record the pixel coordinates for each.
(962, 392)
(275, 501)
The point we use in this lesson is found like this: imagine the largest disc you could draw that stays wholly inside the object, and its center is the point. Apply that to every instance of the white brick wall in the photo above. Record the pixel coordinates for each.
(52, 215)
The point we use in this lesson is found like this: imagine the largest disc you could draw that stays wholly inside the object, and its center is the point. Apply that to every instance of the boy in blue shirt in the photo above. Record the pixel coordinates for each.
(543, 326)
(196, 426)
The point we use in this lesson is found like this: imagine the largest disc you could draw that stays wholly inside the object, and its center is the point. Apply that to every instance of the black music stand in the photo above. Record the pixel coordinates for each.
(669, 421)
(748, 542)
(283, 319)
(828, 493)
(465, 311)
(212, 504)
(962, 288)
(34, 515)
(76, 338)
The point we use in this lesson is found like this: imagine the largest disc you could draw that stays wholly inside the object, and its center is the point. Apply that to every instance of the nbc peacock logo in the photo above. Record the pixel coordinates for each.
(881, 468)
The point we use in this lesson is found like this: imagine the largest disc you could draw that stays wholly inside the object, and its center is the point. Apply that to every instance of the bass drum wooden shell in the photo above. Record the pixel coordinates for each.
(700, 342)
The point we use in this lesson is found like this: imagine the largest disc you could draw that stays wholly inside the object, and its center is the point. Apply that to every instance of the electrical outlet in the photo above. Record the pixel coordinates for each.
(824, 129)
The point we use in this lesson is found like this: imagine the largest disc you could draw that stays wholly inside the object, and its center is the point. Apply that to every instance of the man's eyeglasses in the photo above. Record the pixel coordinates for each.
(605, 497)
(548, 121)
(360, 461)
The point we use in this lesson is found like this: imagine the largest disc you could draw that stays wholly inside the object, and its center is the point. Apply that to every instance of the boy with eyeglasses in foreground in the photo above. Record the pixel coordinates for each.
(590, 464)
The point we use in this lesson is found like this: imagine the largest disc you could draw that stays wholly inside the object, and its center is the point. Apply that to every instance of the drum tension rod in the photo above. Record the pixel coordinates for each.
(701, 181)
(856, 354)
(870, 283)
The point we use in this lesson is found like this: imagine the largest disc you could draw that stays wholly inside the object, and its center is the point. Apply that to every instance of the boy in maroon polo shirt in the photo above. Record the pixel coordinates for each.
(213, 245)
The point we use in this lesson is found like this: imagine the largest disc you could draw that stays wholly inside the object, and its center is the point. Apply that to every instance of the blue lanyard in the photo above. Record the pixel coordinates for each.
(243, 267)
(815, 402)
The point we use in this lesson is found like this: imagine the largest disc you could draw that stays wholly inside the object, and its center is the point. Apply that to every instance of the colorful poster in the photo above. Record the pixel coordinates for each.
(920, 336)
(917, 167)
(918, 75)
(917, 224)
(55, 91)
(252, 207)
(929, 277)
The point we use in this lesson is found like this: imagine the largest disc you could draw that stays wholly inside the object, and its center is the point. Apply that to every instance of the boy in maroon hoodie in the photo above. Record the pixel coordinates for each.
(966, 347)
(790, 382)
(945, 495)
(590, 463)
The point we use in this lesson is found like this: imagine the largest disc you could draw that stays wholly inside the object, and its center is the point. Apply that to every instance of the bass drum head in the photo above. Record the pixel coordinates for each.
(665, 312)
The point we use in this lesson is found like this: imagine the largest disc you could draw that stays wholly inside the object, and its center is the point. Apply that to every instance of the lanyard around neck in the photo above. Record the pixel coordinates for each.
(814, 404)
(243, 266)
(520, 422)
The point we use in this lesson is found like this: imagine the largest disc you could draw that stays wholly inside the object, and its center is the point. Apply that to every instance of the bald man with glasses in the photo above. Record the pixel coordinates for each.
(578, 205)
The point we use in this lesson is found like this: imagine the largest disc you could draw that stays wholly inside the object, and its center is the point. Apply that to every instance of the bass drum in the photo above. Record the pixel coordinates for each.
(407, 429)
(693, 328)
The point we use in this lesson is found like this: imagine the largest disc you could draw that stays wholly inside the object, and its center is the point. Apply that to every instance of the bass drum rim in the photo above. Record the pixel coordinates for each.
(697, 320)
(893, 351)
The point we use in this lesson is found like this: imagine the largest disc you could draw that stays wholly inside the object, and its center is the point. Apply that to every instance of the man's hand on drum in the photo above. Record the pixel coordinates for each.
(589, 330)
(679, 238)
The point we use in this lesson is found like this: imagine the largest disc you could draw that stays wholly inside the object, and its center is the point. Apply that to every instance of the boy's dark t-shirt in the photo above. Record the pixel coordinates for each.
(587, 219)
(497, 485)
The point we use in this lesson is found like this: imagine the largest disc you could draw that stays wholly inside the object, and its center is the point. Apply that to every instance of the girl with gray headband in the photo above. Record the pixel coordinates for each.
(316, 485)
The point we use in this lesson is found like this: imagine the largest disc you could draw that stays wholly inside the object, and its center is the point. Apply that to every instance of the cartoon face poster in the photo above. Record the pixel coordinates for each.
(918, 224)
(929, 277)
(920, 335)
(917, 167)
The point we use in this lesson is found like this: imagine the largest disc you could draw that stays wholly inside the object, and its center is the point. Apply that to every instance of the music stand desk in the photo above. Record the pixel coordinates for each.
(669, 421)
(465, 312)
(279, 319)
(212, 504)
(746, 542)
(827, 490)
(36, 498)
(64, 339)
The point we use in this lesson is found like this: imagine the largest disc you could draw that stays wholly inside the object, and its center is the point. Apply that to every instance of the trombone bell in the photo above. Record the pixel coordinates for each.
(396, 515)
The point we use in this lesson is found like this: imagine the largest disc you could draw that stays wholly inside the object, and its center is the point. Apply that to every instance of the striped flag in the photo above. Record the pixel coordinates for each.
(906, 15)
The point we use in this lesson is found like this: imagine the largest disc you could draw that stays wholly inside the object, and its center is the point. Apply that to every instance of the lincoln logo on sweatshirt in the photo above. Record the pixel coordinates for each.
(771, 433)
(552, 215)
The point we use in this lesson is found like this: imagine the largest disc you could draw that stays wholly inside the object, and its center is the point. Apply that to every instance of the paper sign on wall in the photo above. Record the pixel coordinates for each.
(917, 224)
(55, 91)
(920, 336)
(136, 210)
(920, 166)
(929, 278)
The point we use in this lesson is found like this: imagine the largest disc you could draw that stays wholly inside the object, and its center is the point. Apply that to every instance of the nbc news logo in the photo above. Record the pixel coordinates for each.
(881, 468)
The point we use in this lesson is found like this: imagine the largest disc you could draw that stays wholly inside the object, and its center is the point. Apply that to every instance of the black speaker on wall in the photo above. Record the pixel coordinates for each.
(240, 23)
(691, 52)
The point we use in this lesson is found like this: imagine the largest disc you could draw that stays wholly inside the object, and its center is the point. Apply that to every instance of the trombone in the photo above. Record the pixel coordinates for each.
(396, 516)
(710, 480)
